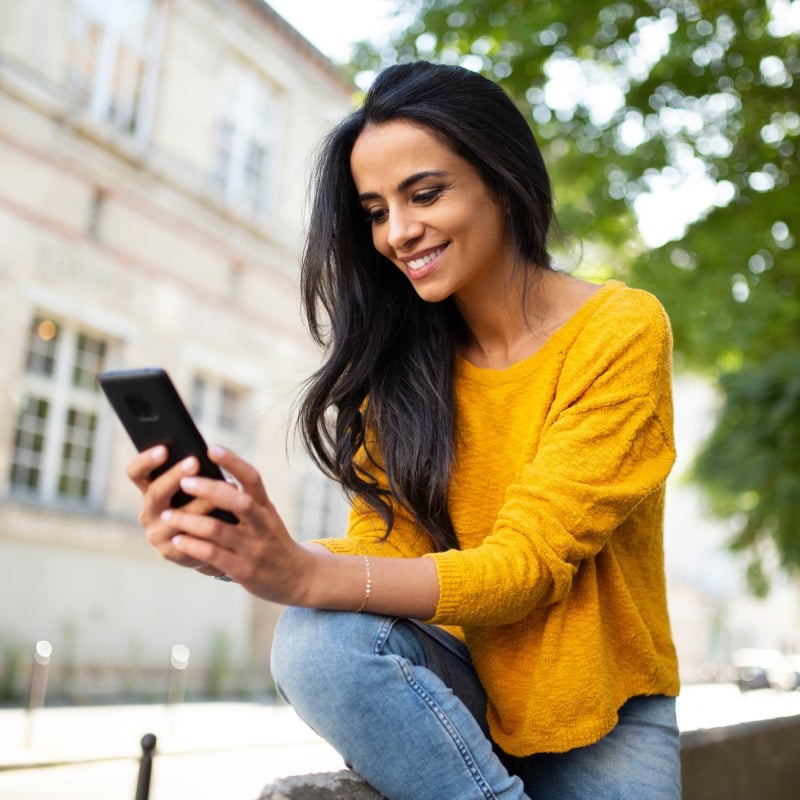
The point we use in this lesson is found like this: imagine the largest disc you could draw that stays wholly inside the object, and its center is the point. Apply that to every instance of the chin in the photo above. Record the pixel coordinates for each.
(432, 294)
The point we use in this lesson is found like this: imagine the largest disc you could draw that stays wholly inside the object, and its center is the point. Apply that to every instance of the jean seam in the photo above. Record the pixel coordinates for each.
(383, 634)
(452, 731)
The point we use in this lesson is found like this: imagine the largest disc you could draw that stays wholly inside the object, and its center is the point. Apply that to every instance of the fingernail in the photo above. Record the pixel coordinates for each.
(217, 450)
(157, 453)
(166, 515)
(176, 541)
(187, 465)
(188, 483)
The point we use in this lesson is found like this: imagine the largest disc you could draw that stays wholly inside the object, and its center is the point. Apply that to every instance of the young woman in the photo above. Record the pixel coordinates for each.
(494, 624)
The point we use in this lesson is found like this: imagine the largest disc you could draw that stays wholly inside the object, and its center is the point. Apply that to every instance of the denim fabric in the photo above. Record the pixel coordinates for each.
(400, 701)
(638, 760)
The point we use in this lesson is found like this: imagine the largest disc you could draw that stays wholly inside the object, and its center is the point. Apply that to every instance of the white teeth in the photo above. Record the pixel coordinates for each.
(419, 263)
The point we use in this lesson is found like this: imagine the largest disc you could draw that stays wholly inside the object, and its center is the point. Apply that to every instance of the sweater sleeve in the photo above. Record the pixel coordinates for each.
(606, 446)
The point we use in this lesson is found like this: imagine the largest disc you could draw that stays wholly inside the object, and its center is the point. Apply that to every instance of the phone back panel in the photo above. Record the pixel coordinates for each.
(152, 412)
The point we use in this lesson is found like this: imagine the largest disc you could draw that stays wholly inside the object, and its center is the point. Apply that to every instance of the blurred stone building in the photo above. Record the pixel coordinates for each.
(153, 172)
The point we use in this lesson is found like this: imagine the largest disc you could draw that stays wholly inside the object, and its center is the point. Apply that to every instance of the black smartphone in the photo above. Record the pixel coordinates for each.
(152, 412)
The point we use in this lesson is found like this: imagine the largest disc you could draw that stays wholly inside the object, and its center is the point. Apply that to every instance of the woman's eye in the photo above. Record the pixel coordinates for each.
(375, 215)
(427, 195)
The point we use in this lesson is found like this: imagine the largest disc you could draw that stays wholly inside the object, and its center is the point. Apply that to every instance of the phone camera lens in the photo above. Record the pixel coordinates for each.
(141, 407)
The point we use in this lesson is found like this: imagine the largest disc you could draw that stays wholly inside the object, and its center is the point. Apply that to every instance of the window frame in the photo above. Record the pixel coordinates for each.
(119, 86)
(206, 401)
(245, 158)
(322, 507)
(57, 388)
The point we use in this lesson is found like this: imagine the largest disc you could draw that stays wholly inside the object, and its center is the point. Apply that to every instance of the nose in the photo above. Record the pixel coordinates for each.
(403, 229)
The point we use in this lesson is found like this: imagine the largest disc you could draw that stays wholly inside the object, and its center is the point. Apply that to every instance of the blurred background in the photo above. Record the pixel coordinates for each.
(154, 157)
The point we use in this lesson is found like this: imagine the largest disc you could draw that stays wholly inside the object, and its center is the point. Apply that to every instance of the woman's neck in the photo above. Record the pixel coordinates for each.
(504, 329)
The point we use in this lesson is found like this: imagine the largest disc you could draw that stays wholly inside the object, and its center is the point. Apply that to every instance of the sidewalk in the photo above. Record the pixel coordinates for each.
(65, 735)
(84, 734)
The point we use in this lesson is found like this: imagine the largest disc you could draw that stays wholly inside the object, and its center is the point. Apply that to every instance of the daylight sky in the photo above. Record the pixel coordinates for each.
(333, 25)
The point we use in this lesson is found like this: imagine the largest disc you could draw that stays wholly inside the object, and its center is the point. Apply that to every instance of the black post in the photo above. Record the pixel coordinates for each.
(145, 767)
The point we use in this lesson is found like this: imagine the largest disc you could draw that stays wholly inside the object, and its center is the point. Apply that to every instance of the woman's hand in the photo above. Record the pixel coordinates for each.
(156, 496)
(258, 552)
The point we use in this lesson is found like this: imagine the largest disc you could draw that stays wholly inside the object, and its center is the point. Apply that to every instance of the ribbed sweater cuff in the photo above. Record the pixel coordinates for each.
(452, 587)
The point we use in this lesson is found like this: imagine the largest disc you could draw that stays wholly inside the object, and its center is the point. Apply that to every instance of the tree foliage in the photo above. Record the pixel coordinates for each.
(699, 99)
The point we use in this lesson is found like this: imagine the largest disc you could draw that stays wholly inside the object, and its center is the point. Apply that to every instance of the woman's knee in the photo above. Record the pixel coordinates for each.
(293, 648)
(312, 649)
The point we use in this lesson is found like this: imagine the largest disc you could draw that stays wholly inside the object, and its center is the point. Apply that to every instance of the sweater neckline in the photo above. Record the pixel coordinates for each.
(487, 375)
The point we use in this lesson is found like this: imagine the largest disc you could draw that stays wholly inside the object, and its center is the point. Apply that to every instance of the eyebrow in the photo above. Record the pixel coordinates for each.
(406, 183)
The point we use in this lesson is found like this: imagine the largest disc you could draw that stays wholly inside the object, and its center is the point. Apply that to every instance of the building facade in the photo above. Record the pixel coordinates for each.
(154, 159)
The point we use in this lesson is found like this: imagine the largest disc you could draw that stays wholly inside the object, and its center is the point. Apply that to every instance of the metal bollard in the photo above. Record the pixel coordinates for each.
(179, 663)
(38, 688)
(145, 766)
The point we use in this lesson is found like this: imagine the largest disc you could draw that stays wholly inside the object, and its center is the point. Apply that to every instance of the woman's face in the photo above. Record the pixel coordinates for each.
(431, 214)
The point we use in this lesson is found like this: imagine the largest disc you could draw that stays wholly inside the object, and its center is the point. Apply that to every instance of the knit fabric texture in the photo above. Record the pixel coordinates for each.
(557, 499)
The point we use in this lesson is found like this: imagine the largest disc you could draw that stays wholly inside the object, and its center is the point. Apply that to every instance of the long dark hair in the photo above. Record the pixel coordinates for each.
(386, 387)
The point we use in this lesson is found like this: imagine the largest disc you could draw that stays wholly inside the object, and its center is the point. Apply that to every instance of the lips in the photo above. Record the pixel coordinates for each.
(416, 264)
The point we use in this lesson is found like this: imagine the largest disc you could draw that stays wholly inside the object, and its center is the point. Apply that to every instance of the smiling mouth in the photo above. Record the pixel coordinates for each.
(423, 261)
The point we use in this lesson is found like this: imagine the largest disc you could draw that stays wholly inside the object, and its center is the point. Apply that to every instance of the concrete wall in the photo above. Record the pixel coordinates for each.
(752, 761)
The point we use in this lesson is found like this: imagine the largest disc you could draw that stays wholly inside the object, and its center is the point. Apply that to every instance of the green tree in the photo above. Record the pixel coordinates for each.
(699, 98)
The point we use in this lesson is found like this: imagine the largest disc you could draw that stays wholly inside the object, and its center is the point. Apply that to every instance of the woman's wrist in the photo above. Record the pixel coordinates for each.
(403, 587)
(334, 581)
(367, 585)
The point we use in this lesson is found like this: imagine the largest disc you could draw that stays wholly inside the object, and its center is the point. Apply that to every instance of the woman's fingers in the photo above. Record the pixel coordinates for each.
(217, 494)
(141, 466)
(232, 548)
(212, 572)
(204, 543)
(258, 551)
(202, 526)
(157, 496)
(158, 493)
(161, 536)
(244, 472)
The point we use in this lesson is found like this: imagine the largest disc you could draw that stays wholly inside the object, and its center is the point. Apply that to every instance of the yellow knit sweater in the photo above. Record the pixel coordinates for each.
(556, 497)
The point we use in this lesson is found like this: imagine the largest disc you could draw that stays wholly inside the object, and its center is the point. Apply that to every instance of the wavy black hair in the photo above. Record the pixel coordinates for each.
(386, 385)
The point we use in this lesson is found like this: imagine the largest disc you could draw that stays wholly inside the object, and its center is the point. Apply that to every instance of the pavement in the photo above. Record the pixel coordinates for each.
(205, 751)
(70, 734)
(62, 735)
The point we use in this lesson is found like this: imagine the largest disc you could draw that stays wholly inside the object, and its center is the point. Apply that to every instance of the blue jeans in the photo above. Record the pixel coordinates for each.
(400, 701)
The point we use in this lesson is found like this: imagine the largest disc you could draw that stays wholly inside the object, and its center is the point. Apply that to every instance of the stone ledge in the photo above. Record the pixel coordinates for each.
(749, 761)
(341, 785)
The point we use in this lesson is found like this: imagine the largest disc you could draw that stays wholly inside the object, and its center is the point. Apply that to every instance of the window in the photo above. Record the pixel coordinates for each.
(218, 409)
(26, 470)
(54, 455)
(112, 61)
(323, 508)
(245, 147)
